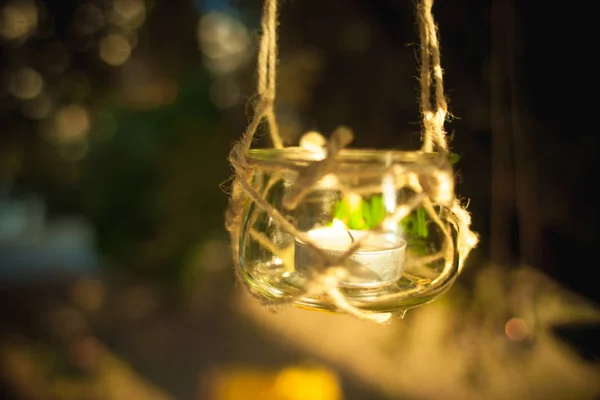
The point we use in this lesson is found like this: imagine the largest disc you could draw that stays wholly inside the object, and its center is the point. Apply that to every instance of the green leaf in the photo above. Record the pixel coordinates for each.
(342, 211)
(357, 221)
(365, 210)
(422, 223)
(378, 211)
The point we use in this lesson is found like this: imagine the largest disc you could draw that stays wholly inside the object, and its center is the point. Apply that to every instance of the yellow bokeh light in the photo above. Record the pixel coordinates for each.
(18, 19)
(114, 49)
(307, 384)
(72, 124)
(224, 40)
(26, 84)
(293, 383)
(129, 13)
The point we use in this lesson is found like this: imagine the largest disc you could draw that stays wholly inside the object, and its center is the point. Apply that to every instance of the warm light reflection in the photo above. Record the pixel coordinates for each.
(114, 49)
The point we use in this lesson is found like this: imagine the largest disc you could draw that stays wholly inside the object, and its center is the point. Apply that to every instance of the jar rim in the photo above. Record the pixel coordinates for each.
(294, 157)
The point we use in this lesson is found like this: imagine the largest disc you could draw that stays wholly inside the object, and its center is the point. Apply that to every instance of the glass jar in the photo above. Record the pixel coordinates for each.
(397, 204)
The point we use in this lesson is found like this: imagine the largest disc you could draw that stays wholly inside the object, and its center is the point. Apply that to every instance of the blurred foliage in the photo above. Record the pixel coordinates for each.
(151, 191)
(145, 173)
(367, 214)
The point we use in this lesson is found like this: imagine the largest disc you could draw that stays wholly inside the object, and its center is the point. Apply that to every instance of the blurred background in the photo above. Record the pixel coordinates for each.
(116, 281)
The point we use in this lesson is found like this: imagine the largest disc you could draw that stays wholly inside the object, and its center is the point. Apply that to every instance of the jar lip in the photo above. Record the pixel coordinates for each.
(297, 155)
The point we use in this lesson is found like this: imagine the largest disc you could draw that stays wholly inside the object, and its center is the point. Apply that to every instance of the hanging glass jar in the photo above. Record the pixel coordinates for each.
(366, 232)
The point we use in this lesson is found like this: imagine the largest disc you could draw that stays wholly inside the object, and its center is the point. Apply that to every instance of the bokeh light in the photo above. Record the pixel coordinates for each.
(18, 19)
(297, 383)
(224, 41)
(72, 124)
(115, 49)
(26, 84)
(129, 13)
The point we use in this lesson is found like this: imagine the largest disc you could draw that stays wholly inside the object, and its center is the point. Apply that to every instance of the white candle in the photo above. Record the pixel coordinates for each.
(377, 262)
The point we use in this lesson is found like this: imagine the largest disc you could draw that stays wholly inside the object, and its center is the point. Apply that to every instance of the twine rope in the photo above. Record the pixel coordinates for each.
(327, 276)
(434, 115)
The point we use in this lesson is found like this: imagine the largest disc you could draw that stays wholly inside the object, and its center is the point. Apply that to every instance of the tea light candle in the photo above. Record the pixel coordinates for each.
(379, 260)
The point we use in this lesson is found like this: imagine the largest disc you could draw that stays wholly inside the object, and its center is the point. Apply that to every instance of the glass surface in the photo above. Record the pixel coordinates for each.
(401, 265)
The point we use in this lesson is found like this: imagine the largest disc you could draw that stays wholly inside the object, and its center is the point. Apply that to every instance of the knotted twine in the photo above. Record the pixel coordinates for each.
(433, 120)
(435, 114)
(326, 278)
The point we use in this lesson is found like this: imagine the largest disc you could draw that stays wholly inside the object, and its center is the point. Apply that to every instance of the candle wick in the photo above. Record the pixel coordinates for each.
(351, 237)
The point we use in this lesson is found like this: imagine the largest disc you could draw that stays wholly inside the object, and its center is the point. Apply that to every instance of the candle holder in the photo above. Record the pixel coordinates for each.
(386, 221)
(378, 262)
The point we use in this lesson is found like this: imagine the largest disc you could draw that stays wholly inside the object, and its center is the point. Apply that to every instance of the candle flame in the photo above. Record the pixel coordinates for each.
(338, 225)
